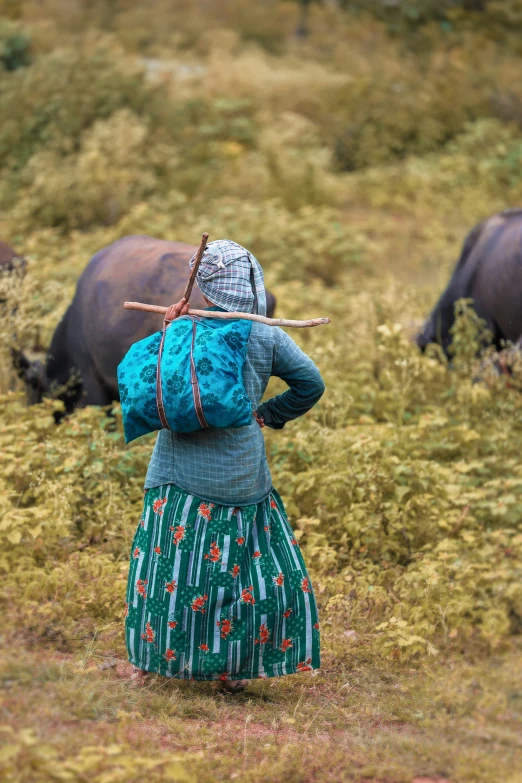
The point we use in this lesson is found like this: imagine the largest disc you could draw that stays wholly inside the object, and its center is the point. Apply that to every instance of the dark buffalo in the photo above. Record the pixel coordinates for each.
(10, 262)
(12, 266)
(96, 331)
(489, 271)
(9, 258)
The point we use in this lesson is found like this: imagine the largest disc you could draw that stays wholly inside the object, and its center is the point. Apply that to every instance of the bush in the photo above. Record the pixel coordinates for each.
(310, 244)
(25, 757)
(423, 524)
(408, 15)
(473, 175)
(114, 168)
(15, 45)
(60, 506)
(402, 486)
(413, 110)
(50, 104)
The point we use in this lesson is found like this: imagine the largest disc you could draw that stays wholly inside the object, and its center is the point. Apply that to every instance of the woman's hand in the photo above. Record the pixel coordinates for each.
(176, 310)
(259, 419)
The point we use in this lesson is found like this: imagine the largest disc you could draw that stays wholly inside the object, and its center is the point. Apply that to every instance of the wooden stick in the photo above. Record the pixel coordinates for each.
(228, 316)
(197, 262)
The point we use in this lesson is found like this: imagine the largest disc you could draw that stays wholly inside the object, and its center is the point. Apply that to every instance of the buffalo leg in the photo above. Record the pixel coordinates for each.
(95, 391)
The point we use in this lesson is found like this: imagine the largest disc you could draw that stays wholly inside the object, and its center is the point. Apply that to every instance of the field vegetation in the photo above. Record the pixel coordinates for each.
(352, 161)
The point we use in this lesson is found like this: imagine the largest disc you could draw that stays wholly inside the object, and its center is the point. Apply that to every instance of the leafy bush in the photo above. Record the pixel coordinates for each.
(411, 110)
(51, 103)
(474, 175)
(15, 45)
(425, 512)
(24, 757)
(310, 244)
(401, 13)
(402, 16)
(61, 501)
(97, 185)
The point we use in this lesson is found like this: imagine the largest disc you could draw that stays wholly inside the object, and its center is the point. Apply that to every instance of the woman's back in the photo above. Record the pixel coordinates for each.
(228, 466)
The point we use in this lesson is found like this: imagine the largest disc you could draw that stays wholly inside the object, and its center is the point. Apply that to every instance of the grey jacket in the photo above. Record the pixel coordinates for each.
(229, 466)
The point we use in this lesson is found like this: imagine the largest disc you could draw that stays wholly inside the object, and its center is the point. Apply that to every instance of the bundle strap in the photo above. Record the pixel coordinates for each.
(196, 392)
(186, 296)
(159, 390)
(255, 306)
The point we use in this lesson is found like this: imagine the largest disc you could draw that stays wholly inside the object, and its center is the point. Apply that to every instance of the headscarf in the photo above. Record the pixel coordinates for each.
(231, 277)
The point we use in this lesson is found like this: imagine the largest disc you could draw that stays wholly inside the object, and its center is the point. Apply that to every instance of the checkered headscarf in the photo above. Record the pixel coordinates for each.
(231, 277)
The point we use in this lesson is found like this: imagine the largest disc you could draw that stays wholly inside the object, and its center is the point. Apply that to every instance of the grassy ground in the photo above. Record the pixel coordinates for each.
(460, 721)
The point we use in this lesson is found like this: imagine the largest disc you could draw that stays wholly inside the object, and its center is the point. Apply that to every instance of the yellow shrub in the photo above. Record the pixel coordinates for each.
(24, 757)
(112, 170)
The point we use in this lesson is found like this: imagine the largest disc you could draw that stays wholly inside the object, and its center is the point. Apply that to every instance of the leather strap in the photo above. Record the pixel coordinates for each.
(159, 391)
(255, 307)
(196, 392)
(195, 383)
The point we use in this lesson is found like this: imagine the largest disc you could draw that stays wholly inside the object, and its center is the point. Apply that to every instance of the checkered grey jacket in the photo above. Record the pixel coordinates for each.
(229, 466)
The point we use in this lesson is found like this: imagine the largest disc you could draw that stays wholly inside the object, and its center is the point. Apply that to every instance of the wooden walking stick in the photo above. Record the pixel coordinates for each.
(197, 262)
(166, 321)
(224, 316)
(228, 316)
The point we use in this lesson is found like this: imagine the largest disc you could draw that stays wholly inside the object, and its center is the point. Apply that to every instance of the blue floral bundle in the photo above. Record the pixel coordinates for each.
(201, 369)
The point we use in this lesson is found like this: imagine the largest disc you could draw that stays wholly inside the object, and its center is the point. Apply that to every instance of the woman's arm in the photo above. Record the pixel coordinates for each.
(294, 367)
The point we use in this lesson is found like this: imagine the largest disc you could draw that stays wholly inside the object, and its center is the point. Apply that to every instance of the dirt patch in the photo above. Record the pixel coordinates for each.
(430, 780)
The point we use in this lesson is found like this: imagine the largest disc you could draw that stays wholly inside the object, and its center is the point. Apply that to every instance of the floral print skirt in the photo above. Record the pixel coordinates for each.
(217, 592)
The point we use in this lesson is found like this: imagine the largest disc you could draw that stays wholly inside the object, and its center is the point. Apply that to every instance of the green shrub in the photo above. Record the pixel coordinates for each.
(15, 45)
(413, 110)
(310, 244)
(51, 103)
(473, 176)
(408, 15)
(25, 757)
(115, 167)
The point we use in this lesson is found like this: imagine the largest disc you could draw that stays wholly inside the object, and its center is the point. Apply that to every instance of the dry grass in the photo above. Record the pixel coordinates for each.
(461, 721)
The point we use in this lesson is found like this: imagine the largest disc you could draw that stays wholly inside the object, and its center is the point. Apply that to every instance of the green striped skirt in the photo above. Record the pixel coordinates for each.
(217, 592)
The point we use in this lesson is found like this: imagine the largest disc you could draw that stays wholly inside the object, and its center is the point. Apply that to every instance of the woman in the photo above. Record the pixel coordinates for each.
(218, 588)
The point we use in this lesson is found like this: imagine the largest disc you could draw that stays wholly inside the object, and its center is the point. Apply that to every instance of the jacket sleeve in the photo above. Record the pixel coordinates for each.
(306, 386)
